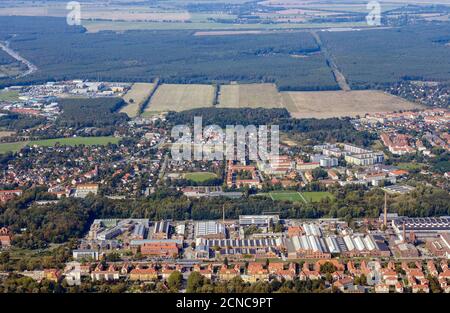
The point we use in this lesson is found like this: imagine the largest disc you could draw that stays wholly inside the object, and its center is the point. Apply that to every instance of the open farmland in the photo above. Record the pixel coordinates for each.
(249, 96)
(136, 97)
(326, 104)
(179, 97)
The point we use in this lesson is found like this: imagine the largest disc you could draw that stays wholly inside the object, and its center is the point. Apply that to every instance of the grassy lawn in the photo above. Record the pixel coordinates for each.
(410, 166)
(9, 95)
(292, 196)
(11, 147)
(199, 177)
(72, 141)
(316, 196)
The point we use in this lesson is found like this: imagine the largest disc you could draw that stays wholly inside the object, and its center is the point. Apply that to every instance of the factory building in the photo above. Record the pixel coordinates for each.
(210, 230)
(313, 246)
(161, 230)
(260, 221)
(422, 227)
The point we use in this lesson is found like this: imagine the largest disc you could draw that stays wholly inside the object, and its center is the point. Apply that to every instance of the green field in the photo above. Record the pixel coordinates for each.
(316, 196)
(287, 196)
(409, 166)
(11, 147)
(199, 177)
(9, 95)
(72, 141)
(295, 196)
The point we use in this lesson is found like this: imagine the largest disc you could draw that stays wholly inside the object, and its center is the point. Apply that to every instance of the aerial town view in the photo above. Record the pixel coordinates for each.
(198, 147)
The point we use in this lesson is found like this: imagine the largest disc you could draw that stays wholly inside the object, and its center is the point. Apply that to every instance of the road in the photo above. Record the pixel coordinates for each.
(31, 67)
(340, 78)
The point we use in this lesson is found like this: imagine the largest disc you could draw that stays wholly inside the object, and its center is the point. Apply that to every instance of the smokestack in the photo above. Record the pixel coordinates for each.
(404, 232)
(385, 210)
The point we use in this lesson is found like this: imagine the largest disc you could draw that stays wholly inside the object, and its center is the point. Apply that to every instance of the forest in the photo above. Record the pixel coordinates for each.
(16, 122)
(308, 131)
(91, 112)
(61, 53)
(377, 58)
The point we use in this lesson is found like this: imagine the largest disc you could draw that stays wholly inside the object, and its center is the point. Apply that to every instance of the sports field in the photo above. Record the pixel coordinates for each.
(295, 196)
(327, 104)
(199, 177)
(135, 98)
(181, 97)
(249, 96)
(316, 196)
(72, 141)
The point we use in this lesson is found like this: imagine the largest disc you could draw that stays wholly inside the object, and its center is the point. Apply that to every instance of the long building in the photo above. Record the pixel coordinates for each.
(421, 226)
(313, 246)
(210, 230)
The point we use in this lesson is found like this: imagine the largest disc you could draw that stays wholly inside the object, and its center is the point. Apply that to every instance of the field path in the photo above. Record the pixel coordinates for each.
(340, 78)
(304, 200)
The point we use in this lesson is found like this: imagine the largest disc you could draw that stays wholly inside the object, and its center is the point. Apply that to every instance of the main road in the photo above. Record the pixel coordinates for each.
(31, 67)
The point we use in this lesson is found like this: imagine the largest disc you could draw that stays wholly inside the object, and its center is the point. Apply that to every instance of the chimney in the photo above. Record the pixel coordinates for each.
(385, 210)
(404, 232)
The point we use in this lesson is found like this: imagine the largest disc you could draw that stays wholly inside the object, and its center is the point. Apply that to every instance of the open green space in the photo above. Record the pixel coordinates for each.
(295, 196)
(286, 196)
(72, 141)
(10, 95)
(316, 196)
(199, 177)
(410, 166)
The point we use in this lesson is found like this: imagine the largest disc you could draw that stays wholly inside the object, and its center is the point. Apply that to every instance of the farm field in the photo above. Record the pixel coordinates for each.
(6, 133)
(181, 97)
(295, 196)
(326, 104)
(199, 177)
(249, 96)
(135, 98)
(94, 26)
(72, 141)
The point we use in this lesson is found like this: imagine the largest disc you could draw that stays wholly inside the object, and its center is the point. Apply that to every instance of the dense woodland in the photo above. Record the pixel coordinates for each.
(174, 56)
(91, 112)
(307, 131)
(378, 58)
(16, 122)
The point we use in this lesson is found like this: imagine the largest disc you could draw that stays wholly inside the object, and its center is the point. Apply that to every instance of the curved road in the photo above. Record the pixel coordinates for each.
(31, 67)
